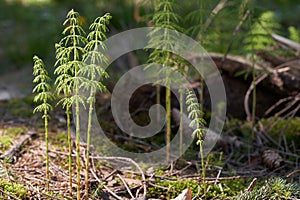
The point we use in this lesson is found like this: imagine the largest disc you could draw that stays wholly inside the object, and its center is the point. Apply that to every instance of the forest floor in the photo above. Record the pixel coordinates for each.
(237, 168)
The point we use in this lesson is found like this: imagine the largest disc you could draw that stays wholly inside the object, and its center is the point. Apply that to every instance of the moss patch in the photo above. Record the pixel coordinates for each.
(11, 188)
(290, 128)
(171, 189)
(8, 135)
(273, 189)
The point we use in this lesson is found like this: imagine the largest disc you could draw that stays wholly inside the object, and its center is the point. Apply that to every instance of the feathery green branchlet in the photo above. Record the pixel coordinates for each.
(69, 55)
(92, 73)
(258, 37)
(43, 96)
(195, 114)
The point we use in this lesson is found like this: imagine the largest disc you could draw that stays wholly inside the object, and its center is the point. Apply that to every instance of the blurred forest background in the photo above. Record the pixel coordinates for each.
(29, 27)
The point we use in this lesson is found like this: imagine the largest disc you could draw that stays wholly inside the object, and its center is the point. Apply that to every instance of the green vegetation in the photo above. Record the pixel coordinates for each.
(92, 72)
(278, 127)
(78, 65)
(274, 188)
(10, 189)
(195, 114)
(164, 17)
(258, 37)
(5, 142)
(69, 54)
(9, 135)
(171, 189)
(43, 96)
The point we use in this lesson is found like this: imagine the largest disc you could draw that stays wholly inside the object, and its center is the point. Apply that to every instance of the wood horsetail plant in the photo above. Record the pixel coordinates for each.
(43, 96)
(69, 55)
(258, 39)
(92, 74)
(195, 114)
(164, 17)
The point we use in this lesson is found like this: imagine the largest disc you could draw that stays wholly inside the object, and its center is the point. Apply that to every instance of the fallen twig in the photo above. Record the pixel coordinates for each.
(107, 188)
(12, 152)
(293, 172)
(126, 186)
(128, 160)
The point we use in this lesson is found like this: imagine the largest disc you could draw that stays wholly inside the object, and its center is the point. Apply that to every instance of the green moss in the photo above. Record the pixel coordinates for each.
(272, 189)
(9, 135)
(58, 139)
(12, 188)
(171, 189)
(15, 131)
(273, 126)
(53, 194)
(5, 142)
(290, 127)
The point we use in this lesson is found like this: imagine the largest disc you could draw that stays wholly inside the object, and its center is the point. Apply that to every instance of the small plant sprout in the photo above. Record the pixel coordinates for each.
(69, 54)
(92, 74)
(43, 96)
(195, 114)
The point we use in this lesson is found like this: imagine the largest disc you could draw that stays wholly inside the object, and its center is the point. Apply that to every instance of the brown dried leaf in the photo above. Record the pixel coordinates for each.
(185, 195)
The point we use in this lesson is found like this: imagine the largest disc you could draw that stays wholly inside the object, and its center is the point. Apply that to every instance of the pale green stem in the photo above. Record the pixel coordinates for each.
(158, 102)
(47, 149)
(203, 168)
(201, 95)
(168, 97)
(200, 40)
(253, 94)
(181, 121)
(70, 148)
(92, 93)
(168, 120)
(78, 165)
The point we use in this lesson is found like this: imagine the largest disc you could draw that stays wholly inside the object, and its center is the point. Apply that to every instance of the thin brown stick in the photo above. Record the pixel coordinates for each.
(277, 104)
(251, 186)
(126, 186)
(291, 104)
(235, 32)
(293, 172)
(261, 78)
(247, 96)
(292, 113)
(214, 12)
(107, 188)
(128, 160)
(110, 174)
